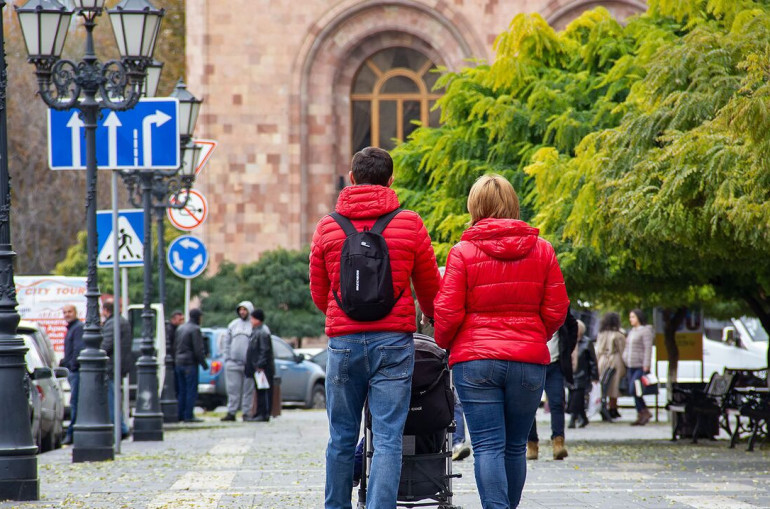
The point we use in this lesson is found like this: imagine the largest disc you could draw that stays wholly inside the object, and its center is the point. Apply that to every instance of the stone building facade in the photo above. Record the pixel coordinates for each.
(285, 82)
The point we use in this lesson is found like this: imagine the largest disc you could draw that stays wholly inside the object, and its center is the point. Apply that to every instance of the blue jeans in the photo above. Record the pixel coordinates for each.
(459, 436)
(110, 402)
(554, 391)
(500, 399)
(377, 366)
(187, 381)
(74, 380)
(634, 374)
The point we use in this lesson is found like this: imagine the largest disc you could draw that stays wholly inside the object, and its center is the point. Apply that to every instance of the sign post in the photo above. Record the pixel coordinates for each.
(117, 340)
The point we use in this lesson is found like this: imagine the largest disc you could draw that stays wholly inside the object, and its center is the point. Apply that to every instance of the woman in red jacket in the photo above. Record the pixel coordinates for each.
(501, 298)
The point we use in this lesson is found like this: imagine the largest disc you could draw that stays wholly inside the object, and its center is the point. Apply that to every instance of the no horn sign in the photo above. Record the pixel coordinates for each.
(192, 214)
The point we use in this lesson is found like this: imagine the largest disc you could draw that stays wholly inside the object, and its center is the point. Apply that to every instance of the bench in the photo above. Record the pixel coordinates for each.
(750, 405)
(703, 411)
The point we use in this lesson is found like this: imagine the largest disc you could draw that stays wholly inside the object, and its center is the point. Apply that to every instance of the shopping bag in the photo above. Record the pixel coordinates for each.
(646, 386)
(261, 378)
(594, 399)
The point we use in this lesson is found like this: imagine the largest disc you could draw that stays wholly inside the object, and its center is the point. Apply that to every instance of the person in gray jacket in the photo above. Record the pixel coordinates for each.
(240, 388)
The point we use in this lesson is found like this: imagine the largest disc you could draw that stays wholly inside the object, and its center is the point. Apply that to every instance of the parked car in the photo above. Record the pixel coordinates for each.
(48, 425)
(211, 382)
(314, 355)
(302, 381)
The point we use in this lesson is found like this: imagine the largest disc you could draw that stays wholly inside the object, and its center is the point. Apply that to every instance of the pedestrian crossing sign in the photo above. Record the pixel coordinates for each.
(130, 236)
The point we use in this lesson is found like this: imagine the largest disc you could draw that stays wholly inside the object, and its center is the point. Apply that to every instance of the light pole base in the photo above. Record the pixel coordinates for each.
(93, 454)
(148, 428)
(170, 410)
(24, 485)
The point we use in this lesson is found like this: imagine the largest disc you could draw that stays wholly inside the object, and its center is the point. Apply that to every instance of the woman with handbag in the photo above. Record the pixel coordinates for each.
(586, 372)
(637, 357)
(609, 349)
(501, 299)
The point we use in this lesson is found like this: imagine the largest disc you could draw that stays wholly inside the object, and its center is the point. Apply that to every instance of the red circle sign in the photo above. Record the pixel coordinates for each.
(192, 215)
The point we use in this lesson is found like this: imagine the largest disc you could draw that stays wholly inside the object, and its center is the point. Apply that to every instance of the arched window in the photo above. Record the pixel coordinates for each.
(392, 89)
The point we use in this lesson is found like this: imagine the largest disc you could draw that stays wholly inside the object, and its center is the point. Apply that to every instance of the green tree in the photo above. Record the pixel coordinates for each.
(681, 185)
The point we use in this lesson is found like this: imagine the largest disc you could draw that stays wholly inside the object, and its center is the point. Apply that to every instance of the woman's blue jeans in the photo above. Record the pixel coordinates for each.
(500, 399)
(634, 374)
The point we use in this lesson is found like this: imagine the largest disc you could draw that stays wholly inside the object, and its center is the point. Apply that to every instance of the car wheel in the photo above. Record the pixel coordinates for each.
(47, 442)
(318, 397)
(209, 405)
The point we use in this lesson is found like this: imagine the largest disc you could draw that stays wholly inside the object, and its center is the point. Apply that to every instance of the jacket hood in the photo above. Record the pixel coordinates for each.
(366, 201)
(505, 239)
(245, 304)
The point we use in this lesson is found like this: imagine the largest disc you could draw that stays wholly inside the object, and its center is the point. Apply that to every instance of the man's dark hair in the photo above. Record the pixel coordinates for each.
(176, 312)
(109, 305)
(373, 166)
(258, 314)
(195, 315)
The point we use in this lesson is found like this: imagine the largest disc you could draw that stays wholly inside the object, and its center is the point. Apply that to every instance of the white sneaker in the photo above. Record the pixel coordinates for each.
(460, 451)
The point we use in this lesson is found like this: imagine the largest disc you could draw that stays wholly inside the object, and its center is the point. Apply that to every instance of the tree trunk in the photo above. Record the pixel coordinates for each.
(760, 306)
(672, 319)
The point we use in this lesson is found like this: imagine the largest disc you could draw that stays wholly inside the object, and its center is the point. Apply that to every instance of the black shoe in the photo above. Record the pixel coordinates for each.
(571, 422)
(228, 418)
(606, 414)
(67, 440)
(125, 435)
(582, 421)
(195, 419)
(261, 418)
(614, 413)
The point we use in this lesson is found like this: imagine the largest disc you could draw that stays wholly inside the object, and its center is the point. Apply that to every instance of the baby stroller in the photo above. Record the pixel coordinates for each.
(426, 467)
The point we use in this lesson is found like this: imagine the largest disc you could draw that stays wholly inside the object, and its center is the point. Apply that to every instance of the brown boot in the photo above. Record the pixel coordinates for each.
(532, 450)
(559, 451)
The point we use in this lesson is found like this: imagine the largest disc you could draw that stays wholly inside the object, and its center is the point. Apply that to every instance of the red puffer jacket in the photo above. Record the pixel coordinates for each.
(411, 257)
(502, 296)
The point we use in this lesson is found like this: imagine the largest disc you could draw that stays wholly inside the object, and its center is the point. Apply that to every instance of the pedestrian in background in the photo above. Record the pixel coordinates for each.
(172, 324)
(501, 299)
(188, 346)
(73, 345)
(637, 357)
(558, 375)
(260, 359)
(370, 360)
(240, 389)
(586, 372)
(609, 351)
(108, 345)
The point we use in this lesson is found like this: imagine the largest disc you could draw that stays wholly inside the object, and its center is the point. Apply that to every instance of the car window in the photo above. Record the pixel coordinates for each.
(754, 326)
(281, 350)
(208, 337)
(32, 357)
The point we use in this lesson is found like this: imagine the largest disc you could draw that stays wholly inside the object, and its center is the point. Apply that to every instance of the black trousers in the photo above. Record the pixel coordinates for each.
(265, 399)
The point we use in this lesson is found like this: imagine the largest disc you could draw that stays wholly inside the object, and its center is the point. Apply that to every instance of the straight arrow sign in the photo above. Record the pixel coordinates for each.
(158, 119)
(112, 123)
(75, 124)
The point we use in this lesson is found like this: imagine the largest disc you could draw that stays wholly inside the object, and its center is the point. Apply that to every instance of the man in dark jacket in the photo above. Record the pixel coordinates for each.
(73, 344)
(108, 345)
(259, 358)
(175, 320)
(189, 354)
(557, 375)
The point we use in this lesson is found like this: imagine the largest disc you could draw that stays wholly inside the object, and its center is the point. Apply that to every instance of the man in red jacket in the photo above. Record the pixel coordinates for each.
(370, 359)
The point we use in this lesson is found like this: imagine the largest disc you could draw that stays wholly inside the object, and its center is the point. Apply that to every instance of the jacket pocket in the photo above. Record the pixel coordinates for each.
(532, 376)
(396, 362)
(337, 365)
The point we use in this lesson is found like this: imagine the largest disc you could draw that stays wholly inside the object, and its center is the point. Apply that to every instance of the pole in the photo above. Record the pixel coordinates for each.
(124, 291)
(148, 419)
(18, 460)
(168, 401)
(187, 297)
(116, 399)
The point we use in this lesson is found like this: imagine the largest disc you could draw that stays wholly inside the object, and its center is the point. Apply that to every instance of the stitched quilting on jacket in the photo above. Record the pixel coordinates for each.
(411, 259)
(502, 296)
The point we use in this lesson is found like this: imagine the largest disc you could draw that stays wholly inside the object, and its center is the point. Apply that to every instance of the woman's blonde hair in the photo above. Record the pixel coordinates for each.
(492, 196)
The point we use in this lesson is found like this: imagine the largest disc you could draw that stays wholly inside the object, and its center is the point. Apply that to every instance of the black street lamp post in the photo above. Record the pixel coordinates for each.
(144, 186)
(18, 460)
(90, 86)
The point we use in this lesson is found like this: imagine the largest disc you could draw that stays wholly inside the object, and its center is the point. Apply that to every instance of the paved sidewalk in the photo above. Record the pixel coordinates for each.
(280, 465)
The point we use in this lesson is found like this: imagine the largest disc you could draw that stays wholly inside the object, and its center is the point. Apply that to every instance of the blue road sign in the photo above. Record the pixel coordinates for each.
(187, 257)
(130, 238)
(146, 136)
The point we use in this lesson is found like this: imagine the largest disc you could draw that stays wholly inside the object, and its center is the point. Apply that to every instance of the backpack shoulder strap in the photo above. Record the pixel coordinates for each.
(382, 221)
(344, 223)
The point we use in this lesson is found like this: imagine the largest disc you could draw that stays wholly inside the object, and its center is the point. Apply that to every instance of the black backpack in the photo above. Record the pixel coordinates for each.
(366, 281)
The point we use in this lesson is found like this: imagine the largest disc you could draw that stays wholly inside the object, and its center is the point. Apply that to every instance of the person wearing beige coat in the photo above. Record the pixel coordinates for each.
(609, 350)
